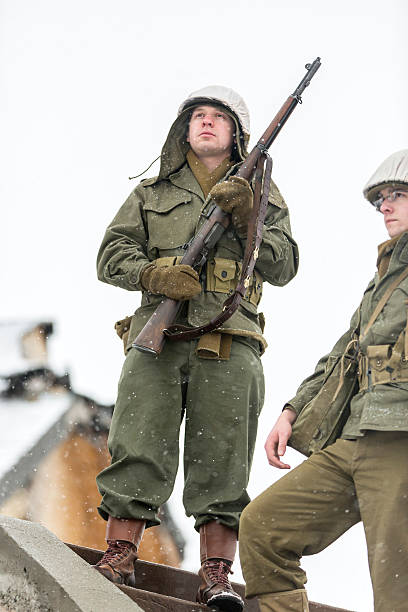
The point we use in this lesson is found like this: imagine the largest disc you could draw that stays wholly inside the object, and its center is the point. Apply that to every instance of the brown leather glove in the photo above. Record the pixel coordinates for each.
(179, 282)
(235, 196)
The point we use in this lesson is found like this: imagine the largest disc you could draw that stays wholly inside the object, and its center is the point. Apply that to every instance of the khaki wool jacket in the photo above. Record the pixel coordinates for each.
(162, 214)
(384, 406)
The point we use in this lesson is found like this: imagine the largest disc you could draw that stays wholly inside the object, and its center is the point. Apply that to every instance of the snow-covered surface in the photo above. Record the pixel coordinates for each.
(23, 423)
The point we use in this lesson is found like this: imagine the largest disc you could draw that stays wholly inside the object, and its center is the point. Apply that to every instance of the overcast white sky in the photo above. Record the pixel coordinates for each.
(89, 89)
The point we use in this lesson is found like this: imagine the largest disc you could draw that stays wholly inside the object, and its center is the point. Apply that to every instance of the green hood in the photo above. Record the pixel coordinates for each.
(175, 149)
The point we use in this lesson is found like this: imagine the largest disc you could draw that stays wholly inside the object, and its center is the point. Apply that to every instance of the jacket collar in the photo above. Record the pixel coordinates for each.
(185, 179)
(392, 254)
(400, 252)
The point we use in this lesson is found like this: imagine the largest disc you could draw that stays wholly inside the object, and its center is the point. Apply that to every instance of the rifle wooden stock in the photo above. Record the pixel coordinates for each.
(151, 339)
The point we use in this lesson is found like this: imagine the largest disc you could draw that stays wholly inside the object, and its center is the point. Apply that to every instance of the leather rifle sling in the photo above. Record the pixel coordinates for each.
(254, 238)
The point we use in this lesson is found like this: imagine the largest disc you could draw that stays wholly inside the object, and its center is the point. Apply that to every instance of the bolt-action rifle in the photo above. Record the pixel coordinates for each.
(152, 337)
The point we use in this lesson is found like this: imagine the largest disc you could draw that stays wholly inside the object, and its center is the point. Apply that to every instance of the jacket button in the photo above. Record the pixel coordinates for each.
(224, 274)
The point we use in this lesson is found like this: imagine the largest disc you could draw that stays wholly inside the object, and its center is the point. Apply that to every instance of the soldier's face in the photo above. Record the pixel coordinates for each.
(211, 132)
(395, 212)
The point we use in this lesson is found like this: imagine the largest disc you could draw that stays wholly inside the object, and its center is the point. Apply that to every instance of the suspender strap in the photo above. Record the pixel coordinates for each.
(352, 346)
(383, 301)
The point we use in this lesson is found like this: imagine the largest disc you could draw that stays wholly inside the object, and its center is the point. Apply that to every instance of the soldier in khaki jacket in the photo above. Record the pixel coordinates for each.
(216, 382)
(358, 469)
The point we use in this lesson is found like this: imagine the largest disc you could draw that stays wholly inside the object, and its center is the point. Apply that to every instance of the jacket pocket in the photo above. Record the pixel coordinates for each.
(170, 221)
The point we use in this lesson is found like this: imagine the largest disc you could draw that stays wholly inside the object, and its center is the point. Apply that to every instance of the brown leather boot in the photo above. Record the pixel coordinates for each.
(123, 537)
(218, 545)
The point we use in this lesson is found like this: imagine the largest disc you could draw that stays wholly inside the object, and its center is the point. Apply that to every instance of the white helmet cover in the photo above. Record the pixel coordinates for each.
(225, 96)
(393, 171)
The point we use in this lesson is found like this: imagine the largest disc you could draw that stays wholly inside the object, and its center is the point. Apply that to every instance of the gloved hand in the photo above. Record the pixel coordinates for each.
(179, 282)
(235, 196)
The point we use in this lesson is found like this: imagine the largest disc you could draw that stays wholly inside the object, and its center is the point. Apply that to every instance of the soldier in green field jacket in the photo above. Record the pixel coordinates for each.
(358, 469)
(216, 383)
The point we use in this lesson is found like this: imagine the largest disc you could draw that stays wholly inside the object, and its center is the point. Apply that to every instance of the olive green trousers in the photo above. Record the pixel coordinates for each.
(311, 506)
(221, 402)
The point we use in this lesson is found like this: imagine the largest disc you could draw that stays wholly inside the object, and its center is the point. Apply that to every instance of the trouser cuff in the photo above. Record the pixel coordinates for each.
(285, 601)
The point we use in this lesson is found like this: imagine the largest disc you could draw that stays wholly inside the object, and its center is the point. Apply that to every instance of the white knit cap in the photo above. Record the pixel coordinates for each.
(393, 171)
(227, 97)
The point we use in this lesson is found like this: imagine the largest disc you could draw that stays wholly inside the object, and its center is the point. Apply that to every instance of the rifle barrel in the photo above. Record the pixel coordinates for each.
(270, 134)
(311, 71)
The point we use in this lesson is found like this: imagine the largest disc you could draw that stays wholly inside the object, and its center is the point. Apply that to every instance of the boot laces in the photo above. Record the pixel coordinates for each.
(117, 550)
(217, 571)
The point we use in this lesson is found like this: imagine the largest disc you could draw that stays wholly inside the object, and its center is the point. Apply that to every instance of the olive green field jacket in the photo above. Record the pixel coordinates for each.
(383, 406)
(159, 217)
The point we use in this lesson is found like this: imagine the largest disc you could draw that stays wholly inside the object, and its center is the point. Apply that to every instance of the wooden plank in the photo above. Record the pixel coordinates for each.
(157, 602)
(173, 582)
(178, 587)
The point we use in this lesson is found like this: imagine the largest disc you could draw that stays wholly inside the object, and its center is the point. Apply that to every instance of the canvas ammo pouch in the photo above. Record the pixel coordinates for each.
(223, 276)
(384, 363)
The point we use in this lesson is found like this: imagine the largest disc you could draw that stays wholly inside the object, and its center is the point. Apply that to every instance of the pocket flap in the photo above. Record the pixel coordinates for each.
(379, 355)
(164, 205)
(225, 269)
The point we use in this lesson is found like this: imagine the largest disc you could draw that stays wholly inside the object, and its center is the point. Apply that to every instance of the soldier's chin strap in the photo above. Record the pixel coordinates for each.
(254, 239)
